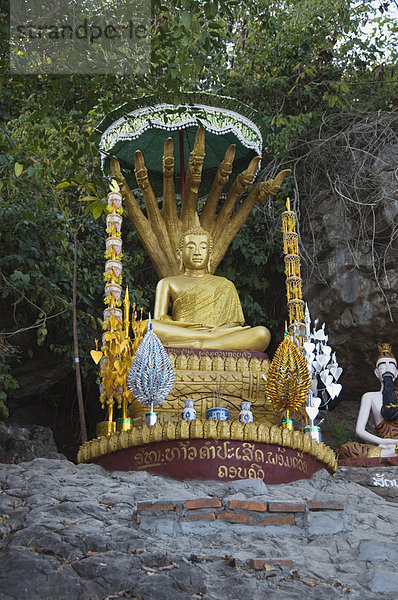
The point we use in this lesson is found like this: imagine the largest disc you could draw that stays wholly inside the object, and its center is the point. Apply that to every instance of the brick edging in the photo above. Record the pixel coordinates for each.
(246, 512)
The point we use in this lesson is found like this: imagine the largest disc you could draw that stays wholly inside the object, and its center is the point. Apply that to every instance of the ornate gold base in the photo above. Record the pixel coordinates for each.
(374, 452)
(199, 374)
(208, 430)
(106, 428)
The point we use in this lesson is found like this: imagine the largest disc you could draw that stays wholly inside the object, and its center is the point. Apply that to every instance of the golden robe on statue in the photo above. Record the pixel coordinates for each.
(211, 302)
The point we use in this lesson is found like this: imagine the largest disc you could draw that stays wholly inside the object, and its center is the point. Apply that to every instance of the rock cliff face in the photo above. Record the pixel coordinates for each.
(348, 210)
(19, 444)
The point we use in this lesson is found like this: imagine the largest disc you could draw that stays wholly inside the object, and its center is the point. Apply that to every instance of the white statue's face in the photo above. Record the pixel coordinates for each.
(195, 253)
(386, 366)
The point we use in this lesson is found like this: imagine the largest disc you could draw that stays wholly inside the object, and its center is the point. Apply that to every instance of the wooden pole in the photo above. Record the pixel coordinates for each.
(83, 429)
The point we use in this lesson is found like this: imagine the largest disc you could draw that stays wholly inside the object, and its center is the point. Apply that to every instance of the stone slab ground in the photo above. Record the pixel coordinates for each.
(82, 533)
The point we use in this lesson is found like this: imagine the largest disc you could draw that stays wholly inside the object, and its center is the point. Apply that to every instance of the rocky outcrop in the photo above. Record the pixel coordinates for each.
(19, 444)
(348, 209)
(38, 376)
(82, 533)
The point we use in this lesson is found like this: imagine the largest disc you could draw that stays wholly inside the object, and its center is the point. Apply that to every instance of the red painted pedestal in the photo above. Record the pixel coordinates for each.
(215, 460)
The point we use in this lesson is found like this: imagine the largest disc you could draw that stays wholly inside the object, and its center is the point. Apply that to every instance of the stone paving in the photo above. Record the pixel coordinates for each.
(79, 532)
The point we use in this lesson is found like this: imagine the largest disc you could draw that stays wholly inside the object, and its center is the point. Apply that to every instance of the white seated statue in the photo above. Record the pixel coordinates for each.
(383, 406)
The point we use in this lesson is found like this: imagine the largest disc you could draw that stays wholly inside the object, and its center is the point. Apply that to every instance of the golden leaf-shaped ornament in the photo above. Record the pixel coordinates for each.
(288, 379)
(140, 327)
(127, 363)
(123, 345)
(114, 321)
(114, 347)
(96, 355)
(120, 380)
(109, 336)
(118, 366)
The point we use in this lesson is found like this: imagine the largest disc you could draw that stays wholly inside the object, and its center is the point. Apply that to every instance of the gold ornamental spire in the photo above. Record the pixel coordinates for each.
(117, 351)
(295, 303)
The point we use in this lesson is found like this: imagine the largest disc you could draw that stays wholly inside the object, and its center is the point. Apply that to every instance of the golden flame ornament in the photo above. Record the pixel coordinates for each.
(288, 379)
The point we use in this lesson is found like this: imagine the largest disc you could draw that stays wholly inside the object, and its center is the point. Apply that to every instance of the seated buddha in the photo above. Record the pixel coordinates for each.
(206, 312)
(383, 406)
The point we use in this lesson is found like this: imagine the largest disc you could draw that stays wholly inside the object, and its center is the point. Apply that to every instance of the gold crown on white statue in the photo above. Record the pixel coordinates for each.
(385, 351)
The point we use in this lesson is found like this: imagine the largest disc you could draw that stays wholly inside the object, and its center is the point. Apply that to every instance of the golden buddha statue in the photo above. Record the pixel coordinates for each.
(186, 249)
(206, 311)
(206, 339)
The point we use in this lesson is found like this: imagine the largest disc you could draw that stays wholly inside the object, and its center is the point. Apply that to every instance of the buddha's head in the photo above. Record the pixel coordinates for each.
(386, 363)
(194, 250)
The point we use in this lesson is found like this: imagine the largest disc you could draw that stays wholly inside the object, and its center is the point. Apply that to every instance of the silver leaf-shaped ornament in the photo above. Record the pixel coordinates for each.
(336, 372)
(326, 378)
(322, 359)
(314, 401)
(309, 347)
(334, 390)
(151, 376)
(326, 350)
(311, 411)
(320, 334)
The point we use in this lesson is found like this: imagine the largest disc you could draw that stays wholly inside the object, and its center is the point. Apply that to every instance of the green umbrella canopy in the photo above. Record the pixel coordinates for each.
(145, 124)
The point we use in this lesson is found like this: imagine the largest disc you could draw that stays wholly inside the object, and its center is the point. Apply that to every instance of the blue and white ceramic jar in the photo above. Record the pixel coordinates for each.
(217, 414)
(151, 418)
(245, 415)
(188, 413)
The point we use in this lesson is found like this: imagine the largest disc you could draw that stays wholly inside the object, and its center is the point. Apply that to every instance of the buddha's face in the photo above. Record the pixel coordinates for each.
(196, 251)
(386, 366)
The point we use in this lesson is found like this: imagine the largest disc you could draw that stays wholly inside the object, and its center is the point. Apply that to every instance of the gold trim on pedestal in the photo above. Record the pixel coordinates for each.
(106, 428)
(214, 430)
(374, 452)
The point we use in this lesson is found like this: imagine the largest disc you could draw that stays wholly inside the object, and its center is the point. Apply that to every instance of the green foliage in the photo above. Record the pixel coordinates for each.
(340, 432)
(7, 381)
(294, 65)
